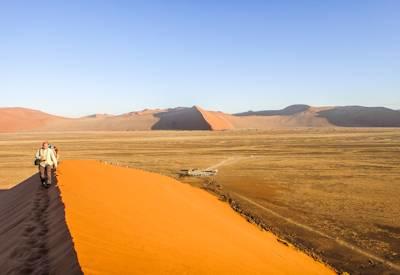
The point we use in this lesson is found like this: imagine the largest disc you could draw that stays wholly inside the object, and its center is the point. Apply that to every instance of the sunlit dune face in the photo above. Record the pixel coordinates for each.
(127, 221)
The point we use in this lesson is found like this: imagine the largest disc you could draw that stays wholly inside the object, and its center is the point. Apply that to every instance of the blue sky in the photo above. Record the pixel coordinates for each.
(81, 57)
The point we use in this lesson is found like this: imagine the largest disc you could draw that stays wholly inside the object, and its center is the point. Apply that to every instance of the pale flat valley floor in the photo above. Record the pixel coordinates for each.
(332, 192)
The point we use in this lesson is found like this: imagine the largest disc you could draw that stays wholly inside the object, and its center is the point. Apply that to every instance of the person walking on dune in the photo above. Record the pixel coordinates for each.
(47, 161)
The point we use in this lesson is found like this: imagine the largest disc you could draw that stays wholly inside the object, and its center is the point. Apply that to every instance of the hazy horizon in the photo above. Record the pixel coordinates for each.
(80, 58)
(172, 107)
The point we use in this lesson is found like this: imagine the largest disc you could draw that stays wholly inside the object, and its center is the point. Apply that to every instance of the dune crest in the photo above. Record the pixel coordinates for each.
(127, 221)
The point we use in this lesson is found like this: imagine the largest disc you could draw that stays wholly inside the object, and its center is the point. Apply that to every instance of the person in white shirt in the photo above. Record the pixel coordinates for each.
(47, 161)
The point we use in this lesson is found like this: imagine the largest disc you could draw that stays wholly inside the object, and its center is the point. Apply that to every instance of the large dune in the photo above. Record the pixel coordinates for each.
(127, 221)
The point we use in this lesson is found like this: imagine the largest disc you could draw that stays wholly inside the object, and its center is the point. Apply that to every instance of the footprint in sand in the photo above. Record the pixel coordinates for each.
(32, 253)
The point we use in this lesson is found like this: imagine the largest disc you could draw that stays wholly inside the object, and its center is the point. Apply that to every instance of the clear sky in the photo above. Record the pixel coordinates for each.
(81, 57)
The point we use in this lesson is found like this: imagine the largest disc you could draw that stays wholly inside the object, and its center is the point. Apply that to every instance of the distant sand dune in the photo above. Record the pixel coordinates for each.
(21, 119)
(196, 118)
(358, 116)
(181, 119)
(216, 120)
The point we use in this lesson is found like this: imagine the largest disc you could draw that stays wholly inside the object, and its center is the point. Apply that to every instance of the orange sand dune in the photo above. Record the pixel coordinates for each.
(22, 119)
(216, 120)
(127, 221)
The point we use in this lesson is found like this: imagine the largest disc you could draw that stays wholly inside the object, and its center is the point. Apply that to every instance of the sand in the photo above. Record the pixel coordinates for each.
(127, 221)
(34, 238)
(217, 120)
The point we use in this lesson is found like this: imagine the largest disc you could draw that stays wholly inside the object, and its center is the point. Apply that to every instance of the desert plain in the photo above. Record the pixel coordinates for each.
(331, 192)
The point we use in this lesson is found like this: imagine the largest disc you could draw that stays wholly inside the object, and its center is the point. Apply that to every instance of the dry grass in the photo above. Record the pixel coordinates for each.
(342, 182)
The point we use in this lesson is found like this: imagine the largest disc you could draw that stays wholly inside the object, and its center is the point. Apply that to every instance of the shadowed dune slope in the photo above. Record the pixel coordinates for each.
(34, 238)
(358, 116)
(127, 221)
(181, 119)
